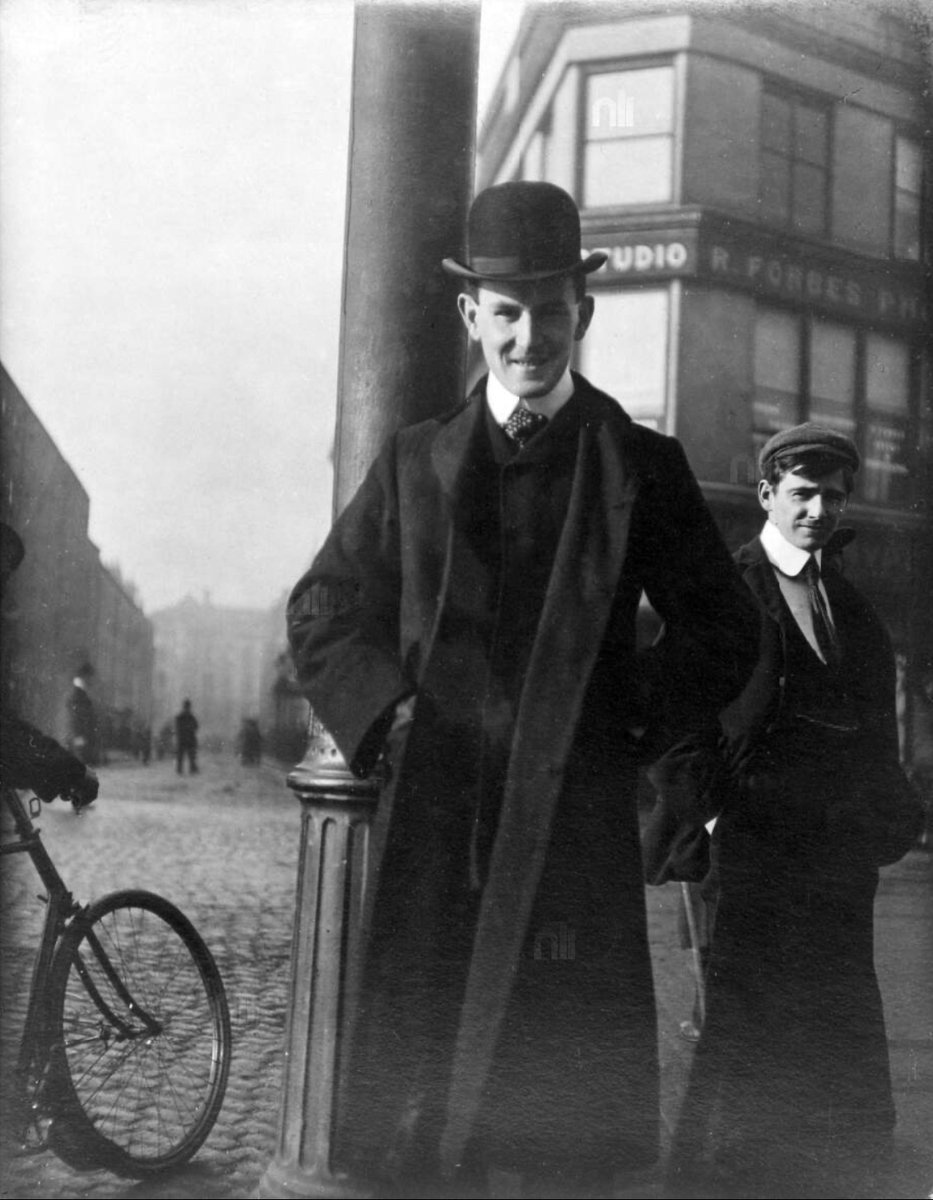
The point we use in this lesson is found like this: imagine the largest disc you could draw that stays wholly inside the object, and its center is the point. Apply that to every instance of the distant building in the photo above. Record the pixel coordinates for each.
(285, 714)
(760, 178)
(64, 608)
(217, 657)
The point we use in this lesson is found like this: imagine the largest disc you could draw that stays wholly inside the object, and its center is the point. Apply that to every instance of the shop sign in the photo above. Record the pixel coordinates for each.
(647, 255)
(832, 283)
(837, 288)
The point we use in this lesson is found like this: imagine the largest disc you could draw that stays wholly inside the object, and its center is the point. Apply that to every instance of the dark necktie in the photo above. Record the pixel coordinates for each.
(523, 424)
(822, 626)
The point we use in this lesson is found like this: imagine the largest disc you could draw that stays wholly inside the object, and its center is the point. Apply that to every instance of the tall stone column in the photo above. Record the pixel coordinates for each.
(403, 354)
(403, 358)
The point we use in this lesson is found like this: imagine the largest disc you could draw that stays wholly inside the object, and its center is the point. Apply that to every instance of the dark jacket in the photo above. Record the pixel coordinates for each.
(388, 609)
(186, 730)
(811, 799)
(881, 811)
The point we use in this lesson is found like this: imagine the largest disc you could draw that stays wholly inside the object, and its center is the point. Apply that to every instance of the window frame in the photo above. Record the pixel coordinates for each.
(615, 67)
(901, 133)
(796, 98)
(862, 413)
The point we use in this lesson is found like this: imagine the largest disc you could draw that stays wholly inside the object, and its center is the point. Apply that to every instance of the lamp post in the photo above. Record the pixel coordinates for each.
(403, 358)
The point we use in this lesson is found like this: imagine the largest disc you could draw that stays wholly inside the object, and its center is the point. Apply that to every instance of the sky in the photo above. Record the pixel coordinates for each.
(172, 190)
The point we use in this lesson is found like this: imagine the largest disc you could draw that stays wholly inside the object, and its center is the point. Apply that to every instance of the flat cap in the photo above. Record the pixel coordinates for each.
(809, 438)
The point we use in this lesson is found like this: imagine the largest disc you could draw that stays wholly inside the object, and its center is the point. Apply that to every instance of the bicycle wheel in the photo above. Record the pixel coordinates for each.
(139, 1035)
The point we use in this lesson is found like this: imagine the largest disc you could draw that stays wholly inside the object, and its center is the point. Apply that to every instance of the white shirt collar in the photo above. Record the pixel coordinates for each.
(788, 558)
(502, 403)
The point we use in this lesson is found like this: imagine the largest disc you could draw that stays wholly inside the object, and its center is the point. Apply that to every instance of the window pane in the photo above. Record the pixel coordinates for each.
(887, 374)
(809, 198)
(884, 474)
(832, 376)
(810, 130)
(627, 172)
(777, 351)
(625, 351)
(907, 169)
(776, 398)
(630, 103)
(775, 187)
(907, 226)
(775, 123)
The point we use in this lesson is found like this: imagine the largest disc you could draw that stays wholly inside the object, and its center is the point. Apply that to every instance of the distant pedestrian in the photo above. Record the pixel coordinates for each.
(250, 740)
(186, 739)
(144, 744)
(83, 740)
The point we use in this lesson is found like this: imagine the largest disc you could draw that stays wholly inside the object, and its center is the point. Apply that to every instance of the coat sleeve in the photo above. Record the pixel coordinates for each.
(709, 644)
(702, 659)
(30, 759)
(882, 816)
(343, 621)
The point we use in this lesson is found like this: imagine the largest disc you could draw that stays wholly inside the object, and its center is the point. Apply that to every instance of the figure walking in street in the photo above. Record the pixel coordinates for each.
(84, 736)
(473, 615)
(249, 742)
(186, 739)
(790, 1089)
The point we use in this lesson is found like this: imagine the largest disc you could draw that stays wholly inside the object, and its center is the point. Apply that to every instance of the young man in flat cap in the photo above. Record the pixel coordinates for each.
(790, 1082)
(474, 607)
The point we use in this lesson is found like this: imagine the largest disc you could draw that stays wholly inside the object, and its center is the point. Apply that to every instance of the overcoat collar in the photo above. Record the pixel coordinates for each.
(758, 573)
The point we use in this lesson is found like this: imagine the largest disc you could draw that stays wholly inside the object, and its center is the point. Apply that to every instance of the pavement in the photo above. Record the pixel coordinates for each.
(224, 846)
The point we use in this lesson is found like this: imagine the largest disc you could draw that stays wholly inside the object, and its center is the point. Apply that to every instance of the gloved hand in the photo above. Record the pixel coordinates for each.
(84, 792)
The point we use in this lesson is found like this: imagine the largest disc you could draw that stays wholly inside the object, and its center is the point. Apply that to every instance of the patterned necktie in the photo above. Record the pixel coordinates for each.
(523, 423)
(823, 629)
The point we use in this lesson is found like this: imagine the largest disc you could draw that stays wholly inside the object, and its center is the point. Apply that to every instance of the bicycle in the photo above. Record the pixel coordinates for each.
(126, 1045)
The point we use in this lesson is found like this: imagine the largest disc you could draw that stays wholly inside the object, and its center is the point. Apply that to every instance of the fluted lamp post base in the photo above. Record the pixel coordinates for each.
(336, 812)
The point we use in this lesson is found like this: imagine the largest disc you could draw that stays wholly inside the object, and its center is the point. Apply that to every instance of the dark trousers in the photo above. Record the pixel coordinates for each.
(192, 754)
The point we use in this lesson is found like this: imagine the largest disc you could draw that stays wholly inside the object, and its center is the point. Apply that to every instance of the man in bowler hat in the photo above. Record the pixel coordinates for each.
(790, 1083)
(471, 619)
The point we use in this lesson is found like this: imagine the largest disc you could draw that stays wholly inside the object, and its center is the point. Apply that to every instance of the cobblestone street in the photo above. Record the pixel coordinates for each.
(223, 846)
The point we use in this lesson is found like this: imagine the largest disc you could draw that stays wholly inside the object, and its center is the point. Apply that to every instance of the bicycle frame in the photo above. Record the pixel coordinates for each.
(98, 986)
(33, 1059)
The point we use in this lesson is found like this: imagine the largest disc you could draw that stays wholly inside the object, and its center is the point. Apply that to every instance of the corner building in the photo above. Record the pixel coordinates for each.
(760, 182)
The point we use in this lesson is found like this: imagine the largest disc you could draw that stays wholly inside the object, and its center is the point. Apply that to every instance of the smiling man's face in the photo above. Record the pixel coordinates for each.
(527, 330)
(806, 510)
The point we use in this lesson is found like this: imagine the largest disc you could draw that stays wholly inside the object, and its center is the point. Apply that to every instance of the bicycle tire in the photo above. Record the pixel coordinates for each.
(139, 1038)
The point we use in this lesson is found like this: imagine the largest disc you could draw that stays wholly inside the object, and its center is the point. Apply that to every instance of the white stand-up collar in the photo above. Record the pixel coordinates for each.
(502, 403)
(788, 558)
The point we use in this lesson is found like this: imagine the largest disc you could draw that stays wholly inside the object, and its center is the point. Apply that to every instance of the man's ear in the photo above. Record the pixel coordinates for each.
(468, 306)
(587, 306)
(765, 495)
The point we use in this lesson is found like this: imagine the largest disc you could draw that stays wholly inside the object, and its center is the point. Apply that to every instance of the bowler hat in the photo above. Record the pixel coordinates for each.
(523, 231)
(809, 438)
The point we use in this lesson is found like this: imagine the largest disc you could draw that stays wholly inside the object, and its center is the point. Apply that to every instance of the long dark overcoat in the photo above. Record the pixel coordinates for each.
(791, 1076)
(394, 605)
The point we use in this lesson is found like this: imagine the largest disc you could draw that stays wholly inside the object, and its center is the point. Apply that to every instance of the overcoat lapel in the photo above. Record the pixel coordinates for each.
(759, 576)
(584, 582)
(453, 464)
